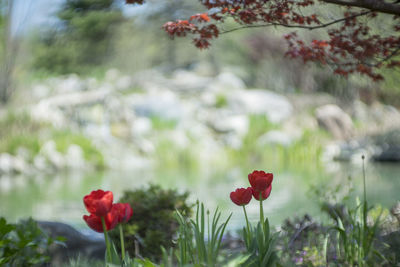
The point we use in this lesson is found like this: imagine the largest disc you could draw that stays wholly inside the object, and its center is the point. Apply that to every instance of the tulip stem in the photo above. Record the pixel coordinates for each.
(121, 235)
(248, 226)
(262, 213)
(103, 222)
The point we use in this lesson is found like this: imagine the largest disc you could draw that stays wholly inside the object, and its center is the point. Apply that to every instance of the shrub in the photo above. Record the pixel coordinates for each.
(153, 223)
(23, 244)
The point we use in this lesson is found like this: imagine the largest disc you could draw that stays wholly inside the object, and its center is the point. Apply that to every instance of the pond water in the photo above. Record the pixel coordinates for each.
(59, 197)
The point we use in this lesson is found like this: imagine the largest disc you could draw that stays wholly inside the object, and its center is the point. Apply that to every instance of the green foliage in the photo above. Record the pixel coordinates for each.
(221, 101)
(199, 240)
(18, 130)
(303, 153)
(153, 224)
(23, 244)
(64, 139)
(83, 41)
(162, 124)
(169, 155)
(356, 237)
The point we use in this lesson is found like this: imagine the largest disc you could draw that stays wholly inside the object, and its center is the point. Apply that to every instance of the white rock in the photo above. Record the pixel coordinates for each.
(40, 163)
(165, 105)
(257, 101)
(70, 84)
(141, 126)
(92, 83)
(123, 83)
(50, 152)
(226, 82)
(20, 166)
(74, 157)
(230, 81)
(40, 91)
(183, 80)
(6, 163)
(239, 124)
(335, 120)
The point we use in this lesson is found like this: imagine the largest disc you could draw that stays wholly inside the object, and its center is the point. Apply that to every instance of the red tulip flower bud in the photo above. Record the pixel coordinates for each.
(124, 211)
(98, 202)
(260, 180)
(264, 194)
(241, 196)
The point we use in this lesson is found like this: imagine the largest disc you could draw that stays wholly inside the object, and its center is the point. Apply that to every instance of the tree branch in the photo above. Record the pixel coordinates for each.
(298, 25)
(373, 5)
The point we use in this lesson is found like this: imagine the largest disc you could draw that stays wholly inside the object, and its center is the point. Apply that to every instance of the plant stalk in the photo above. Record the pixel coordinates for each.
(121, 235)
(103, 222)
(262, 214)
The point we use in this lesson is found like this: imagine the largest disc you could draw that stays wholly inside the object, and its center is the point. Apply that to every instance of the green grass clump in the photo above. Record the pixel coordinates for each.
(303, 153)
(18, 130)
(162, 124)
(64, 139)
(221, 101)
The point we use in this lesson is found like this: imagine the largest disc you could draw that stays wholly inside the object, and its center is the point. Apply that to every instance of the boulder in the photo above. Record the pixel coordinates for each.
(237, 124)
(261, 102)
(75, 244)
(333, 119)
(72, 83)
(164, 105)
(183, 80)
(387, 146)
(12, 164)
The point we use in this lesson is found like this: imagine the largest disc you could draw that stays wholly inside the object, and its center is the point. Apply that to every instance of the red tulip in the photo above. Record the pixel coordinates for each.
(260, 180)
(98, 202)
(94, 222)
(265, 194)
(124, 211)
(241, 196)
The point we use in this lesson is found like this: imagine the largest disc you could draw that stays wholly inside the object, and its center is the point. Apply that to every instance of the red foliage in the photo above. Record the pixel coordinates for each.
(350, 47)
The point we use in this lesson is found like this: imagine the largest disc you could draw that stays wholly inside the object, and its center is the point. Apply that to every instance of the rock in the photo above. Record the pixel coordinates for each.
(165, 105)
(227, 81)
(76, 243)
(40, 91)
(387, 146)
(40, 163)
(395, 211)
(388, 154)
(348, 151)
(55, 109)
(74, 157)
(120, 130)
(183, 80)
(55, 158)
(72, 83)
(261, 102)
(6, 163)
(333, 119)
(276, 138)
(10, 164)
(141, 126)
(123, 83)
(238, 124)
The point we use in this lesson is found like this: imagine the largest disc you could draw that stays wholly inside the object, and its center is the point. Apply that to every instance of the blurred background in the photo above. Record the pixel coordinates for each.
(95, 95)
